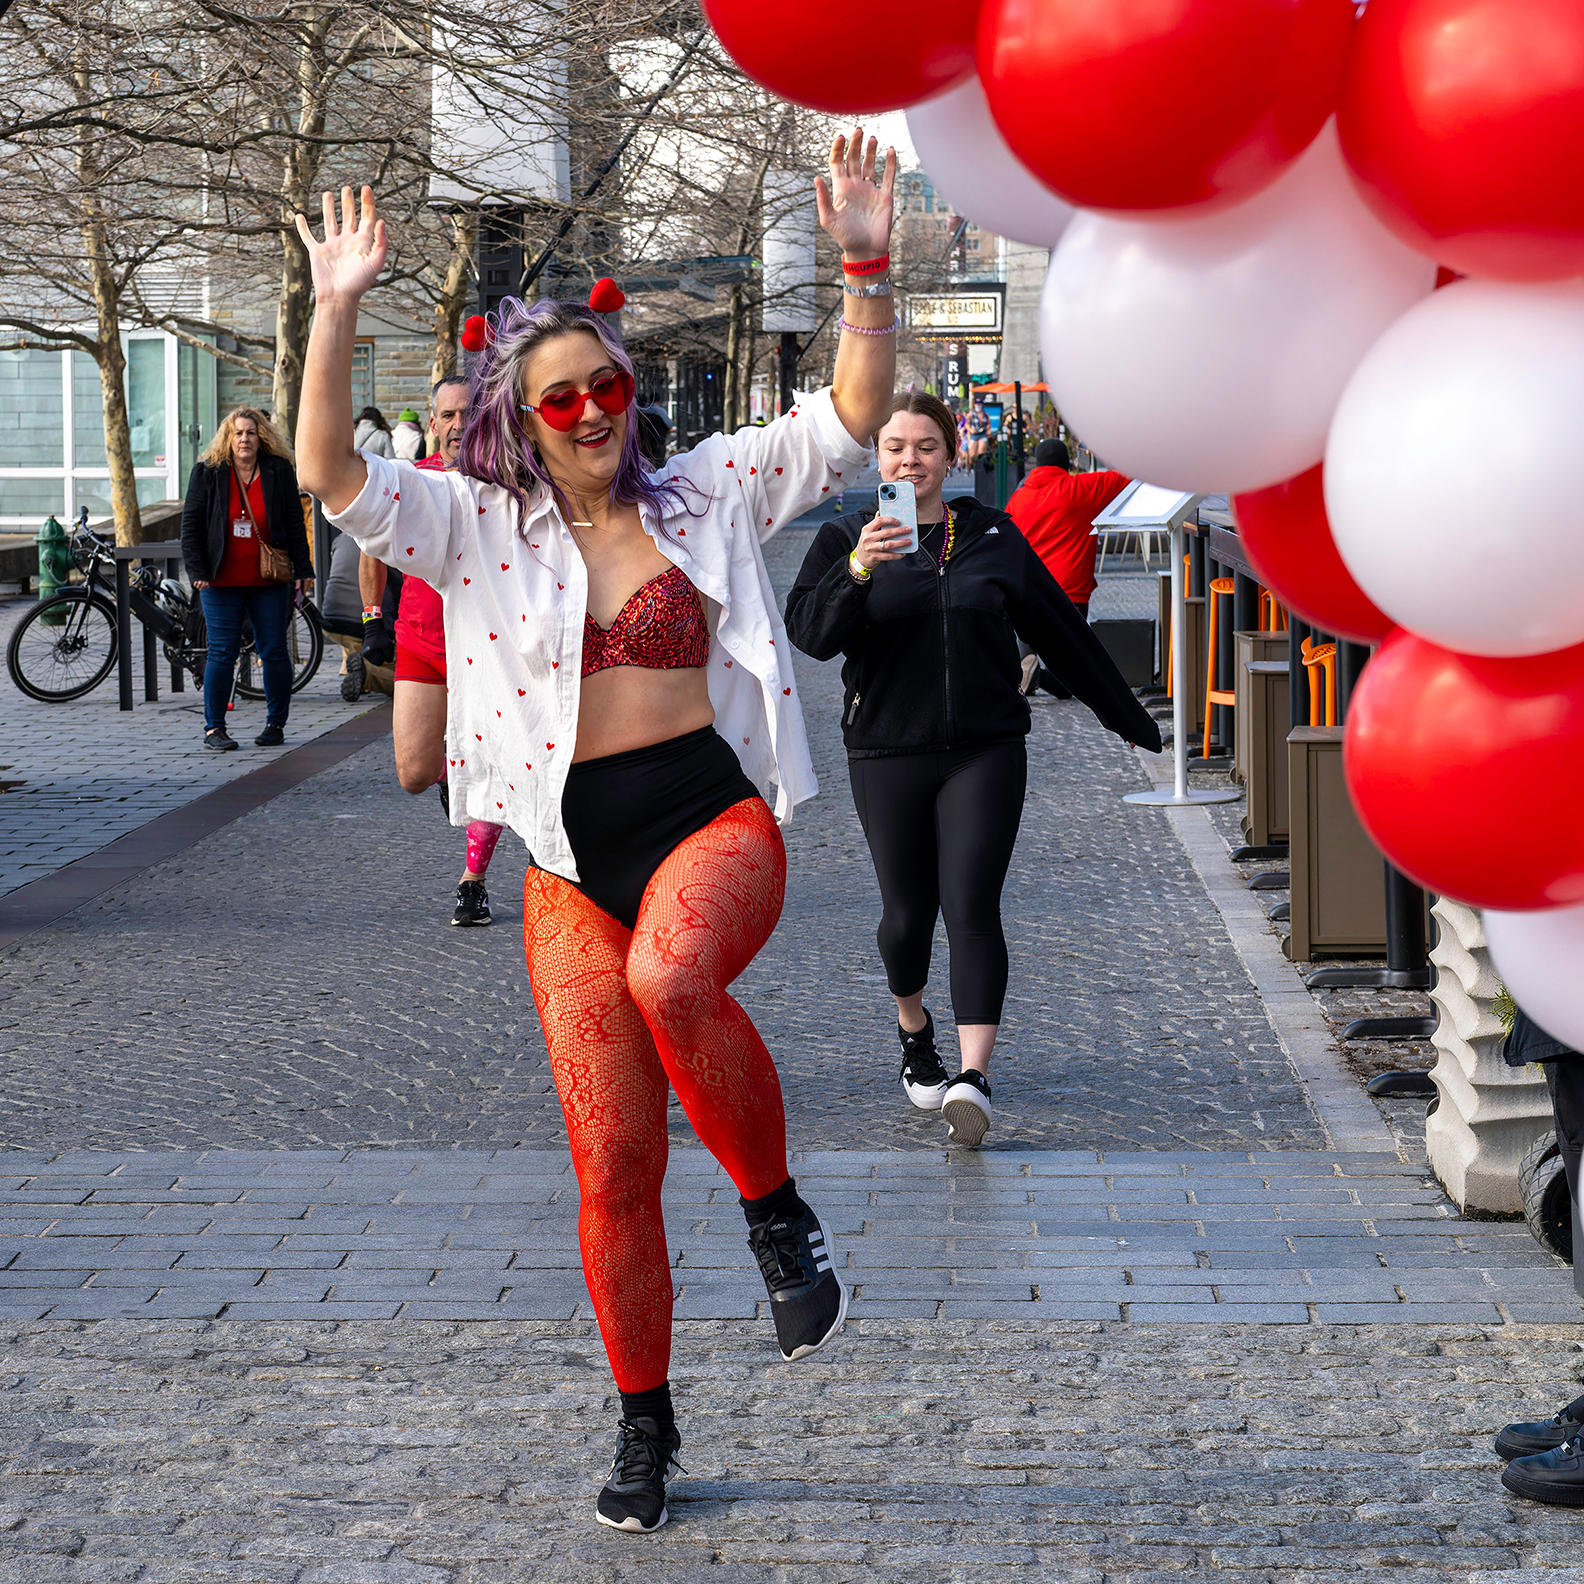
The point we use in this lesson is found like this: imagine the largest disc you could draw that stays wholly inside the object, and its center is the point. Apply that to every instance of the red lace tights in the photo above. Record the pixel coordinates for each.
(627, 1012)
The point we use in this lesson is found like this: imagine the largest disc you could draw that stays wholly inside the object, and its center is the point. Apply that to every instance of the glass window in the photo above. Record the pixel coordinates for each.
(87, 413)
(25, 497)
(362, 376)
(196, 398)
(30, 410)
(146, 402)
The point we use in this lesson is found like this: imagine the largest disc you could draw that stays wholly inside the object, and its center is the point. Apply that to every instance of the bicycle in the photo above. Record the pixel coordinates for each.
(66, 645)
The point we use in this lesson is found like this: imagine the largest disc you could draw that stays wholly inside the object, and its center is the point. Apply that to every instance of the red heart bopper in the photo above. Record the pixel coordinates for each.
(1287, 535)
(1466, 771)
(476, 333)
(607, 296)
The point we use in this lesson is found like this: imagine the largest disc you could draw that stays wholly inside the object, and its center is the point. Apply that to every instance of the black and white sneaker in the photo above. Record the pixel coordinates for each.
(634, 1497)
(472, 904)
(967, 1109)
(807, 1298)
(924, 1079)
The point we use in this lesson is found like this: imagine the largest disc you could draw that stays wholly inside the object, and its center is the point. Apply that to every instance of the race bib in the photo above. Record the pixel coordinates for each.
(241, 528)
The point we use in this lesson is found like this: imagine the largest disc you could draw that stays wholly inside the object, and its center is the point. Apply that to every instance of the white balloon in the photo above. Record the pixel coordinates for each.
(1455, 470)
(1207, 351)
(967, 159)
(1540, 957)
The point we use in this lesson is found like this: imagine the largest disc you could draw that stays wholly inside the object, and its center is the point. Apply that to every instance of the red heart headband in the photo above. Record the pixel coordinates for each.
(478, 332)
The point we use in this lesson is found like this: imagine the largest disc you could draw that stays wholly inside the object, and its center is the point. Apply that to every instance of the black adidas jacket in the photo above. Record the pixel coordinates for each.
(931, 653)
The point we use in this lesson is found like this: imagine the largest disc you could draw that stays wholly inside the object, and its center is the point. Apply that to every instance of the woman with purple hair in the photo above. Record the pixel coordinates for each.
(622, 696)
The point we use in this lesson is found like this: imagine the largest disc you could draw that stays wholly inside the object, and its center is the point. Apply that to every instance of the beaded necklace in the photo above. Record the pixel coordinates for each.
(948, 538)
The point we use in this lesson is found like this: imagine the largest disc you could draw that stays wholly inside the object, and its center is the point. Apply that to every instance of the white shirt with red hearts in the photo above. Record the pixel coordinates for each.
(515, 600)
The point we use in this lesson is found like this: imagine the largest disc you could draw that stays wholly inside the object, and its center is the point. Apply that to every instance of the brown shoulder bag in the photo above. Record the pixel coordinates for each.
(274, 565)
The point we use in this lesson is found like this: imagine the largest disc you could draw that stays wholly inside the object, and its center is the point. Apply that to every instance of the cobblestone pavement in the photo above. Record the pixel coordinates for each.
(75, 776)
(220, 1452)
(291, 982)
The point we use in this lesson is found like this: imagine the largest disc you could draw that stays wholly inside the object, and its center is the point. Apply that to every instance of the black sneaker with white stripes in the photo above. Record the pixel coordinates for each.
(966, 1109)
(634, 1497)
(796, 1258)
(923, 1079)
(472, 909)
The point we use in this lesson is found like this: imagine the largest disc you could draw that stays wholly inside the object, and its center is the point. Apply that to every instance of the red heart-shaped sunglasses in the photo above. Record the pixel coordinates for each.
(563, 410)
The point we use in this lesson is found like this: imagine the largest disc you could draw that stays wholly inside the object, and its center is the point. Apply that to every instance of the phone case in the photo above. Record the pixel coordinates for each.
(900, 500)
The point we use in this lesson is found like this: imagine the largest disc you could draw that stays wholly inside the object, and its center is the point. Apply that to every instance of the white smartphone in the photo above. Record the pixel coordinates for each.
(900, 500)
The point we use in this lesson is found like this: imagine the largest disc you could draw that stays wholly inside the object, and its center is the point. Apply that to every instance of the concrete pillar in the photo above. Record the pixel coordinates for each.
(1488, 1113)
(1020, 356)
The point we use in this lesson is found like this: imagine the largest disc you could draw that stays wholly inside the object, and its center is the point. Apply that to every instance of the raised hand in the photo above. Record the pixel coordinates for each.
(855, 211)
(352, 254)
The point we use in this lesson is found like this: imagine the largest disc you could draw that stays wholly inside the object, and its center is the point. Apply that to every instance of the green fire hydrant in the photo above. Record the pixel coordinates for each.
(54, 564)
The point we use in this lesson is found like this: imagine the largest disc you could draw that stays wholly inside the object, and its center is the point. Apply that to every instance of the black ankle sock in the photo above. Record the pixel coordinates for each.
(654, 1404)
(759, 1211)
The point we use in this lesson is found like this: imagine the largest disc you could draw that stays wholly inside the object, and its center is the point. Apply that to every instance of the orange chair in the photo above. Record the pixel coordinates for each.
(1272, 613)
(1220, 589)
(1323, 656)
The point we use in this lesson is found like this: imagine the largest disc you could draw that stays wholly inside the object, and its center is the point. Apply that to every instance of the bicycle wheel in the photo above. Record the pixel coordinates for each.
(64, 647)
(304, 648)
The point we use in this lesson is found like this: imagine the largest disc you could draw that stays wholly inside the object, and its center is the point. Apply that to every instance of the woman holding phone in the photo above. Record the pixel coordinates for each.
(934, 726)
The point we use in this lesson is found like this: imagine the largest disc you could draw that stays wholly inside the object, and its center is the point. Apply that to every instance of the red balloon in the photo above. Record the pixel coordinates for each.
(1153, 104)
(1466, 771)
(1463, 121)
(807, 50)
(1288, 538)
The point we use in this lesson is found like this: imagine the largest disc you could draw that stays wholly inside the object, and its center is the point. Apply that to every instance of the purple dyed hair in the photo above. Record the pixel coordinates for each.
(496, 445)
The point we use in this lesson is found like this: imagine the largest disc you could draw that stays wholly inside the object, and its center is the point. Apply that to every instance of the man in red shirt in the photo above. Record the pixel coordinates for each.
(1056, 510)
(418, 717)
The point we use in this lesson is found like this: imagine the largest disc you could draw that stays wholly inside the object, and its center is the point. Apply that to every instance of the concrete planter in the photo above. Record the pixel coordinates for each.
(1489, 1113)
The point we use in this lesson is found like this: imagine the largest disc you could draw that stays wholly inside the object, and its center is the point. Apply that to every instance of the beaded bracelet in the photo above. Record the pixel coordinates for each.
(896, 324)
(860, 573)
(871, 289)
(874, 266)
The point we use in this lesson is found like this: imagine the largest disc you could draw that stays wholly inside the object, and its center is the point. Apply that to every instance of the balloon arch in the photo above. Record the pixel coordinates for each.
(1248, 202)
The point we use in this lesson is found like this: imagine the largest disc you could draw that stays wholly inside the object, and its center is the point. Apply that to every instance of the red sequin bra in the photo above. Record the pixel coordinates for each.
(661, 628)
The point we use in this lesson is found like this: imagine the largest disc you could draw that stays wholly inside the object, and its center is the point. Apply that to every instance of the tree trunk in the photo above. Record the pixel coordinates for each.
(733, 399)
(107, 352)
(453, 298)
(299, 178)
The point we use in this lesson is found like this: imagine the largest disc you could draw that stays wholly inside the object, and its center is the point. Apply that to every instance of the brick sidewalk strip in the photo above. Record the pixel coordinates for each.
(1295, 1239)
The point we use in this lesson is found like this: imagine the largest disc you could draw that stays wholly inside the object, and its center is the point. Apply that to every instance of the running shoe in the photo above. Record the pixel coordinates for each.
(807, 1298)
(220, 740)
(967, 1109)
(352, 679)
(1528, 1436)
(1029, 679)
(924, 1079)
(472, 907)
(270, 737)
(634, 1497)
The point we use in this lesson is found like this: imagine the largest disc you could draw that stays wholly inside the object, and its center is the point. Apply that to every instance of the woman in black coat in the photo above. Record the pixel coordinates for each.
(241, 497)
(935, 723)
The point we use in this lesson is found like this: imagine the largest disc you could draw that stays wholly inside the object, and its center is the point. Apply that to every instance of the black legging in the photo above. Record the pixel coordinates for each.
(941, 827)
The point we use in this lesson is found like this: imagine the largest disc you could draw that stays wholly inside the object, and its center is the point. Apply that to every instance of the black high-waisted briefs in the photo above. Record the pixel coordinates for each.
(626, 813)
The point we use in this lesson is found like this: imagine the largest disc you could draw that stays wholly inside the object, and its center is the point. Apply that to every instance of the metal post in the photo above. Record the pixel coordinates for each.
(1245, 602)
(124, 631)
(1180, 793)
(150, 666)
(1351, 658)
(1297, 672)
(1019, 453)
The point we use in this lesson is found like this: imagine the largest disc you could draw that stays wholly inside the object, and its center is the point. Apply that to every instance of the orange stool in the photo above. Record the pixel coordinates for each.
(1220, 589)
(1272, 613)
(1169, 672)
(1325, 657)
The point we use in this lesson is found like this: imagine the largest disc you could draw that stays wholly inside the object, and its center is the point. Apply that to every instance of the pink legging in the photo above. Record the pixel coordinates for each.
(482, 837)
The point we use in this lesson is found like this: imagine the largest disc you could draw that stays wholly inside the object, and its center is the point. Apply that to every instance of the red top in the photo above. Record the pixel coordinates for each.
(420, 618)
(661, 628)
(239, 566)
(1055, 509)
